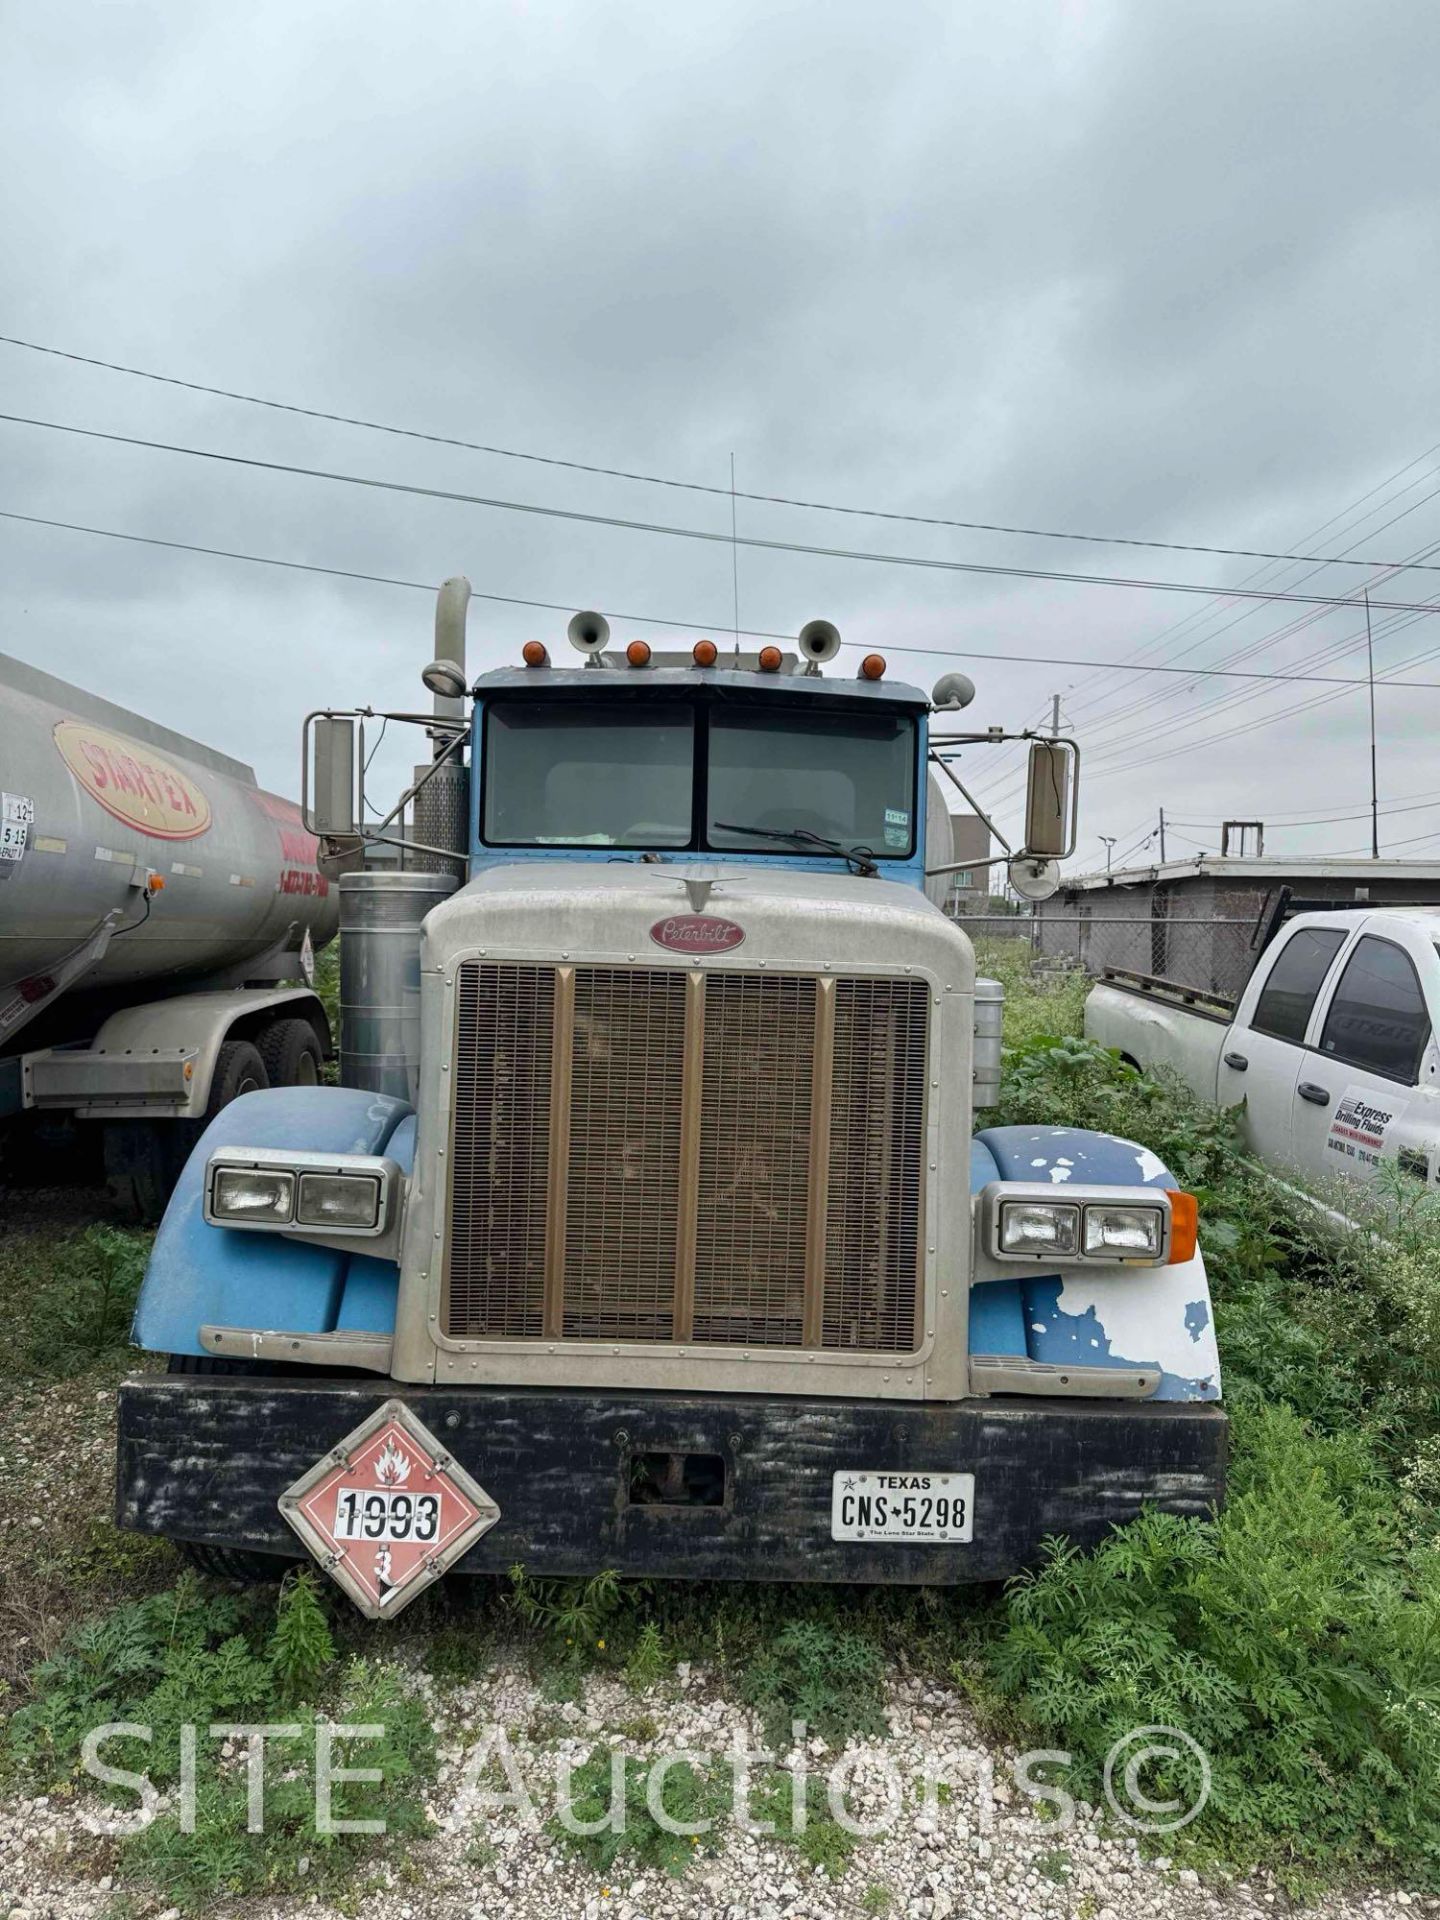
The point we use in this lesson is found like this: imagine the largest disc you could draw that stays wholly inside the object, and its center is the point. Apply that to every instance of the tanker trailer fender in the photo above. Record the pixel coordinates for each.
(157, 1061)
(215, 1290)
(1155, 1319)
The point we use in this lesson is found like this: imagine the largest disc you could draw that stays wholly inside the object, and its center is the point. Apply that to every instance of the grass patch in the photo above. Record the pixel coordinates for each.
(1296, 1635)
(70, 1298)
(617, 1796)
(827, 1675)
(194, 1656)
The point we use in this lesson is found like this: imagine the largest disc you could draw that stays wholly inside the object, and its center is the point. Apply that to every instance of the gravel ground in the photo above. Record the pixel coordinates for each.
(978, 1853)
(982, 1856)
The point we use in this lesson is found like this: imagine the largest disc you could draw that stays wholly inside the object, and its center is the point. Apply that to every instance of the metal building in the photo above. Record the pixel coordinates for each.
(1198, 922)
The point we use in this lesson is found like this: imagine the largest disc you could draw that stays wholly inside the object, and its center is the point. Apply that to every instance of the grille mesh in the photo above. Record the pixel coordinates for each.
(877, 1148)
(623, 1188)
(742, 1157)
(754, 1159)
(500, 1152)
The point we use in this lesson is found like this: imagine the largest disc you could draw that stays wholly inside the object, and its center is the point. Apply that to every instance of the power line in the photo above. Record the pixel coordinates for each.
(686, 486)
(704, 534)
(656, 620)
(1203, 614)
(1329, 819)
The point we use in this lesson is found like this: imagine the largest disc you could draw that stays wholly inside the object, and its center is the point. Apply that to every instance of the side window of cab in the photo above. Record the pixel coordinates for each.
(1296, 976)
(1378, 1019)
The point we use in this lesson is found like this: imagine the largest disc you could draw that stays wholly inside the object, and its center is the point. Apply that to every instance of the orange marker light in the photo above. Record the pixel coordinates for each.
(872, 667)
(638, 653)
(706, 653)
(770, 659)
(1184, 1227)
(534, 655)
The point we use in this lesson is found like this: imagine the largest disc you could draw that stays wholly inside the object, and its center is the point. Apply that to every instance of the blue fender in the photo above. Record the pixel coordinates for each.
(200, 1275)
(1126, 1317)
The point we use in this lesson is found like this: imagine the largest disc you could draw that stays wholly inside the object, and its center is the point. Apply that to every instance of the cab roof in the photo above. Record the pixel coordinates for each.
(720, 683)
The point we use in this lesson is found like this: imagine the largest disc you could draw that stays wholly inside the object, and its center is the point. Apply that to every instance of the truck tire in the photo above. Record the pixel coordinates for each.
(144, 1158)
(239, 1069)
(227, 1563)
(291, 1052)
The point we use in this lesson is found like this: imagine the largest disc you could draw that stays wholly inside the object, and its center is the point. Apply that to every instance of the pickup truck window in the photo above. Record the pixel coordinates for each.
(1283, 1009)
(1377, 1018)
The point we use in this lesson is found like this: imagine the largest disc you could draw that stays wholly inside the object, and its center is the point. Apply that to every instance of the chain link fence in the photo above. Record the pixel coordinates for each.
(1209, 956)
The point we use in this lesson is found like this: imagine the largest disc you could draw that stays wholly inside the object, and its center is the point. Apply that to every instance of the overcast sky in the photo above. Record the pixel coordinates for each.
(1157, 270)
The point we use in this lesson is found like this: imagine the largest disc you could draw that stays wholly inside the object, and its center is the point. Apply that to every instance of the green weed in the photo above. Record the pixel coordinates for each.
(611, 1792)
(827, 1675)
(193, 1657)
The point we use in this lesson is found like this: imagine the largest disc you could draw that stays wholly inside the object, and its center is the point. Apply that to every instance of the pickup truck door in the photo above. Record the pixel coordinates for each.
(1366, 1092)
(1262, 1054)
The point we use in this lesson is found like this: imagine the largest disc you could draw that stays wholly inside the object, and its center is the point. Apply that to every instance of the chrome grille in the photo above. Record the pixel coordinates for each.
(500, 1150)
(740, 1157)
(622, 1197)
(754, 1159)
(877, 1153)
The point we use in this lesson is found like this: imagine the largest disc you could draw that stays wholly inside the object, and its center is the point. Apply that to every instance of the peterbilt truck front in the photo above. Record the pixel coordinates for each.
(654, 1232)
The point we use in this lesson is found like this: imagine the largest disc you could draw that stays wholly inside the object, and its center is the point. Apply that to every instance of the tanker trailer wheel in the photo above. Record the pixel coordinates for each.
(144, 1158)
(291, 1052)
(227, 1563)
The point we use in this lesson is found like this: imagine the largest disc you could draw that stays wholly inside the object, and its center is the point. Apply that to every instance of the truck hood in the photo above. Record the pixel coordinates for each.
(627, 913)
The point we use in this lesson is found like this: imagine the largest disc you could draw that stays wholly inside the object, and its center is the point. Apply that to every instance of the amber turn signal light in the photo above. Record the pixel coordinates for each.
(770, 658)
(638, 653)
(872, 667)
(1184, 1227)
(706, 653)
(534, 655)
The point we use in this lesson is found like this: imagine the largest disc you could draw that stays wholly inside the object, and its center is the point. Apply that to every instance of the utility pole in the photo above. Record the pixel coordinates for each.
(1162, 836)
(1374, 800)
(1109, 843)
(1055, 714)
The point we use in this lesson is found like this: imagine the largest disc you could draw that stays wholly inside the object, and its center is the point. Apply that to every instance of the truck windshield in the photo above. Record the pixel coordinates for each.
(569, 776)
(665, 774)
(846, 777)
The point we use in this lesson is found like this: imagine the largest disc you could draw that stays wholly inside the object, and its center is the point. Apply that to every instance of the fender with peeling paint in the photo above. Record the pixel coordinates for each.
(1131, 1317)
(201, 1275)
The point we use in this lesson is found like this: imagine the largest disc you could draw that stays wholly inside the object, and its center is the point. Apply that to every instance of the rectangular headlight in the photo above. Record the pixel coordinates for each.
(1124, 1233)
(338, 1200)
(1034, 1226)
(260, 1194)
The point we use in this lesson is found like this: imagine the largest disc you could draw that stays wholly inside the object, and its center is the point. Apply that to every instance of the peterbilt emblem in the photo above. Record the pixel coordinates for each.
(696, 933)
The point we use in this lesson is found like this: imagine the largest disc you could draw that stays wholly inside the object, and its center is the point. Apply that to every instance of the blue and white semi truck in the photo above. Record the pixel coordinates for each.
(653, 1230)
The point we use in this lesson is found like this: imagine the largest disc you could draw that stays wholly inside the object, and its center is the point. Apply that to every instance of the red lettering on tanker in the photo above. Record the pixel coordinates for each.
(132, 782)
(298, 850)
(696, 933)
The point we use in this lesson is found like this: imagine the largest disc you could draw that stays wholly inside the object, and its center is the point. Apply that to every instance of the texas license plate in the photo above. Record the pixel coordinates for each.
(938, 1507)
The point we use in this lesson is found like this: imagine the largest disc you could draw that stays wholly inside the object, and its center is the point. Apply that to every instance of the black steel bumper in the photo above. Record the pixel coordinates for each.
(206, 1459)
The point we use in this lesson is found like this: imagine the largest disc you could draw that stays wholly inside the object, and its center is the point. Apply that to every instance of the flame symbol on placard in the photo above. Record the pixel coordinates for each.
(392, 1467)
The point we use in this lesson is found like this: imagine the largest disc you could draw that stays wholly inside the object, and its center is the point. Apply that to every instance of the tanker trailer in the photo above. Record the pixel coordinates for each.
(152, 900)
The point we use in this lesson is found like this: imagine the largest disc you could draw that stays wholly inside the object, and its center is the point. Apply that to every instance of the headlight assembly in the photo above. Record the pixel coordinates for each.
(1125, 1233)
(329, 1195)
(253, 1196)
(1082, 1226)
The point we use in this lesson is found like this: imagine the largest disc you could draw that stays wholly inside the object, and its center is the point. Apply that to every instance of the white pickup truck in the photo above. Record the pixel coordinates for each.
(1331, 1045)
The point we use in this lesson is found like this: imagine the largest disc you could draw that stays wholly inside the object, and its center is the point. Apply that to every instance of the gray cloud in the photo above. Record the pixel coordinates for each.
(1130, 268)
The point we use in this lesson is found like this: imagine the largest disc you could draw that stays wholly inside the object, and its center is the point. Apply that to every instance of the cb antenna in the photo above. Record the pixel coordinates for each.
(734, 560)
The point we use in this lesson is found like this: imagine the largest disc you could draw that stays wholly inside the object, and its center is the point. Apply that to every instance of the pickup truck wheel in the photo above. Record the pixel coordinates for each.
(227, 1563)
(291, 1053)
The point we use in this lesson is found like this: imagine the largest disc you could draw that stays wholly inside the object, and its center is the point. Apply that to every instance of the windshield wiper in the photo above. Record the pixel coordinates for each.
(858, 859)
